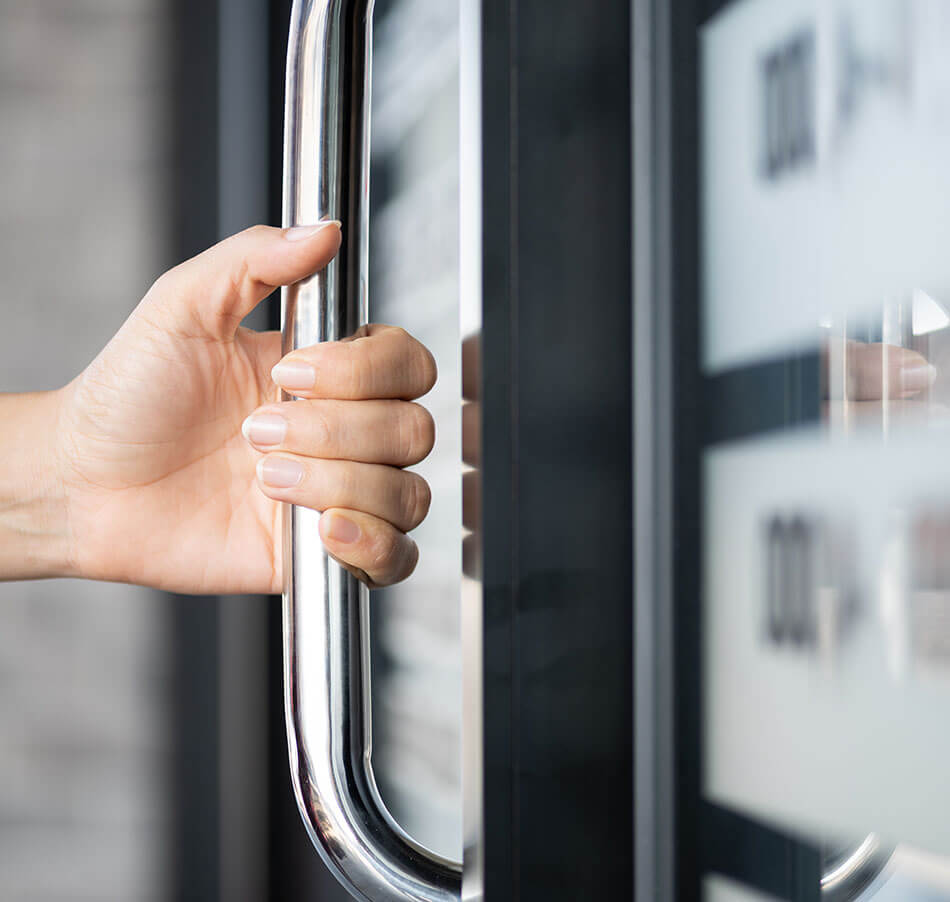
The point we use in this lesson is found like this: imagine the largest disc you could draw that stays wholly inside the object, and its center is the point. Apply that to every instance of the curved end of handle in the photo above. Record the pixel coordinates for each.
(326, 687)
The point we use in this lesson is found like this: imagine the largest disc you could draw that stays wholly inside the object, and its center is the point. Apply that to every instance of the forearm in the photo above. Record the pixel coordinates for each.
(33, 529)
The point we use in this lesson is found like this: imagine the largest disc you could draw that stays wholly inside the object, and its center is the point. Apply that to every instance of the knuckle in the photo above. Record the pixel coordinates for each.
(413, 558)
(359, 371)
(256, 232)
(321, 429)
(416, 499)
(393, 558)
(426, 370)
(397, 334)
(416, 433)
(426, 430)
(347, 485)
(384, 554)
(410, 557)
(416, 361)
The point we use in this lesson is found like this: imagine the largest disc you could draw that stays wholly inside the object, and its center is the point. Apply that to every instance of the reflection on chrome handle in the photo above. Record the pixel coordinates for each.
(326, 642)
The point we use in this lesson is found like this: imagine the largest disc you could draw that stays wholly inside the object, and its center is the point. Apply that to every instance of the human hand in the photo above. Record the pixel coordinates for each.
(160, 485)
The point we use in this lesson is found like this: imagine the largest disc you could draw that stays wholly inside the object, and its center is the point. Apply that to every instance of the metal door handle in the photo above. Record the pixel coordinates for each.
(326, 666)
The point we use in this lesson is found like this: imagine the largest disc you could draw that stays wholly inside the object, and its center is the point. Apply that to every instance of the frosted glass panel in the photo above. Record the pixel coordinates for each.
(825, 299)
(826, 191)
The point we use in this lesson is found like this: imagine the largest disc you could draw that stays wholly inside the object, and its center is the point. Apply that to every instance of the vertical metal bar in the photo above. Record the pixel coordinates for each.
(326, 668)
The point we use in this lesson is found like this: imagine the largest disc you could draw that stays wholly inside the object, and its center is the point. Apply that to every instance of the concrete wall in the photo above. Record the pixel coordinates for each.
(84, 667)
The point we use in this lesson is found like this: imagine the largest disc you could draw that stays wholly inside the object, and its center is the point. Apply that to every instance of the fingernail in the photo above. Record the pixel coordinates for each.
(342, 530)
(303, 232)
(279, 472)
(919, 377)
(264, 429)
(293, 375)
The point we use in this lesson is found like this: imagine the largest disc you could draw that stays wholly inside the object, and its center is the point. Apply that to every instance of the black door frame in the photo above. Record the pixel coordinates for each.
(556, 451)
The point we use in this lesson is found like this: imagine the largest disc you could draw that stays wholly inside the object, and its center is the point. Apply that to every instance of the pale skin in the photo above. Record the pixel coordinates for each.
(165, 462)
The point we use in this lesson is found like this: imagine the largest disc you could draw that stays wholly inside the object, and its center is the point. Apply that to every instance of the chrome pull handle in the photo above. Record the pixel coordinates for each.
(326, 666)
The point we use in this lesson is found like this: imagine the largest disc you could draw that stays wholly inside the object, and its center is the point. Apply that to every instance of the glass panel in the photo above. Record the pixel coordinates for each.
(414, 282)
(826, 350)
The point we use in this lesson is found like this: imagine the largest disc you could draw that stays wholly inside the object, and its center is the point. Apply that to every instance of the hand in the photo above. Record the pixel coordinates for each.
(162, 488)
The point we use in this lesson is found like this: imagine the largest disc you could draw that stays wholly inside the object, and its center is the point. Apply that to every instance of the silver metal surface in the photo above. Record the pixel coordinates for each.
(326, 640)
(849, 872)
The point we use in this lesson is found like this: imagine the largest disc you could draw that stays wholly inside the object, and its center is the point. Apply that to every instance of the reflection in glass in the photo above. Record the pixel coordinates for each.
(414, 283)
(825, 299)
(884, 371)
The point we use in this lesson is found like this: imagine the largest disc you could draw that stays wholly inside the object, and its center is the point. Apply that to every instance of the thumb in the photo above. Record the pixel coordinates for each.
(213, 292)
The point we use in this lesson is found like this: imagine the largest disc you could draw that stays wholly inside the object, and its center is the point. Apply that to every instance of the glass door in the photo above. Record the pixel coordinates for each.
(801, 147)
(414, 283)
(544, 262)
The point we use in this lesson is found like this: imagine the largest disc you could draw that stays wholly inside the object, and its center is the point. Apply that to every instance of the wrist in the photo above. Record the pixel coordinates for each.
(34, 539)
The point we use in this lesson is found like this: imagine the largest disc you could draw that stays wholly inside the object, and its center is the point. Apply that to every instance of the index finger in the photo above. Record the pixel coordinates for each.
(377, 362)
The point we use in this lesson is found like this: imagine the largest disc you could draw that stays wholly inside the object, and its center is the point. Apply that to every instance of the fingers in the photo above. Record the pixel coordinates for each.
(397, 496)
(378, 362)
(338, 448)
(211, 293)
(398, 433)
(370, 548)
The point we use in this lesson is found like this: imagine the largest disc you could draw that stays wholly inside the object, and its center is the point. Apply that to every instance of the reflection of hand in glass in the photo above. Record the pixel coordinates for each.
(138, 470)
(471, 455)
(877, 371)
(866, 382)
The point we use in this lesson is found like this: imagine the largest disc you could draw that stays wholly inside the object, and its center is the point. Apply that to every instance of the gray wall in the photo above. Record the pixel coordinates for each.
(84, 667)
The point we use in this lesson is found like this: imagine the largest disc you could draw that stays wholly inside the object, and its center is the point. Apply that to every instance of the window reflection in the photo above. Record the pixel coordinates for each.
(414, 241)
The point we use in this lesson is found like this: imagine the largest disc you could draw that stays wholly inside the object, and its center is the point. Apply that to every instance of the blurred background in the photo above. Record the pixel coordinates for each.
(824, 303)
(142, 746)
(790, 362)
